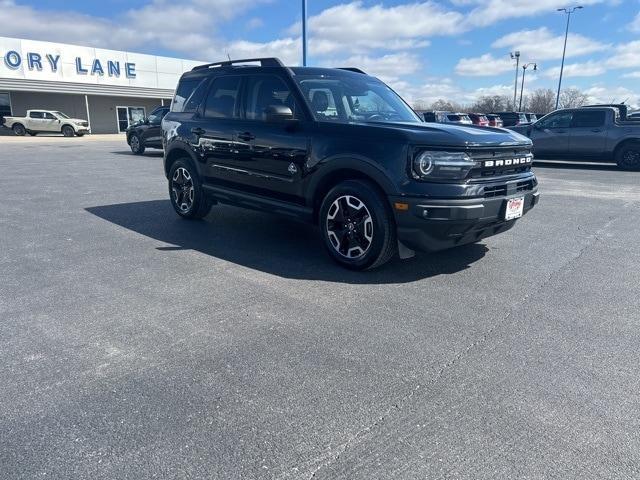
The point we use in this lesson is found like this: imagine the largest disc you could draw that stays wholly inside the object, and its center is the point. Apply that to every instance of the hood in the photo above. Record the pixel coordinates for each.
(75, 120)
(453, 135)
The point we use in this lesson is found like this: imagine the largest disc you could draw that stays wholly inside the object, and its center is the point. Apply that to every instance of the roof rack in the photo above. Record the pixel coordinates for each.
(264, 62)
(352, 69)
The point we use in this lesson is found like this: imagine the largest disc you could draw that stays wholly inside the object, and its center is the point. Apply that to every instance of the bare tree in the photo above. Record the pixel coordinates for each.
(492, 103)
(419, 105)
(447, 105)
(541, 100)
(573, 98)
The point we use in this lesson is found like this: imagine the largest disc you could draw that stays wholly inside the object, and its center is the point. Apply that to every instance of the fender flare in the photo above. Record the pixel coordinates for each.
(360, 164)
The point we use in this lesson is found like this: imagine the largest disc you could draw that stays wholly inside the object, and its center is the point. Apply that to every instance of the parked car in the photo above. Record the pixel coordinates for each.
(338, 148)
(589, 133)
(494, 120)
(41, 121)
(148, 133)
(634, 116)
(511, 119)
(446, 117)
(479, 119)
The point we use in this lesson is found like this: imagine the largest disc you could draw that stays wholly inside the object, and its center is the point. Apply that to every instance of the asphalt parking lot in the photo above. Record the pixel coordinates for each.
(137, 345)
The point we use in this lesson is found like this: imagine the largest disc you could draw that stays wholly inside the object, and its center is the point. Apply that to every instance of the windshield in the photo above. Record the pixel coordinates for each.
(342, 99)
(60, 114)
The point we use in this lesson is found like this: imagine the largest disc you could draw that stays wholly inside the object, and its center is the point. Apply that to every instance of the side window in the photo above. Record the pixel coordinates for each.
(48, 116)
(36, 115)
(588, 119)
(266, 90)
(323, 103)
(223, 98)
(559, 120)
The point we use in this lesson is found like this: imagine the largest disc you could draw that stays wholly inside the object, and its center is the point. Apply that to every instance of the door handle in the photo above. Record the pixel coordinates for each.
(246, 136)
(197, 131)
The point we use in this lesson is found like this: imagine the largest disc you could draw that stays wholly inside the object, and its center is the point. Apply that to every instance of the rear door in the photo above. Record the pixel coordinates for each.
(272, 153)
(588, 136)
(35, 121)
(213, 131)
(551, 134)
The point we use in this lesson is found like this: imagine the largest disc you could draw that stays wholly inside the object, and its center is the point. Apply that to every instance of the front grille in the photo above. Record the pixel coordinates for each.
(525, 186)
(495, 191)
(500, 161)
(502, 190)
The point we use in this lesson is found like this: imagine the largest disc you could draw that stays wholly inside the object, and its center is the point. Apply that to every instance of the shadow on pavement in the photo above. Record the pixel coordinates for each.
(147, 153)
(271, 244)
(569, 165)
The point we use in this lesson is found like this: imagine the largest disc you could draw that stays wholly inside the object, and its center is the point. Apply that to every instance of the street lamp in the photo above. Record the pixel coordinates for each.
(304, 33)
(568, 11)
(524, 70)
(515, 55)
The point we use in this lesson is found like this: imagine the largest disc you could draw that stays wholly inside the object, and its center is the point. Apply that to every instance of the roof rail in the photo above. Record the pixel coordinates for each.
(352, 69)
(264, 62)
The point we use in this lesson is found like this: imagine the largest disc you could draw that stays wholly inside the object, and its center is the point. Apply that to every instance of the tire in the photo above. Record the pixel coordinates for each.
(137, 148)
(357, 226)
(19, 129)
(197, 205)
(628, 156)
(68, 131)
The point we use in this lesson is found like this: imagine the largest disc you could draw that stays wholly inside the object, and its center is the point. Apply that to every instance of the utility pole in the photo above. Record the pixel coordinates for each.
(515, 55)
(568, 11)
(524, 70)
(304, 33)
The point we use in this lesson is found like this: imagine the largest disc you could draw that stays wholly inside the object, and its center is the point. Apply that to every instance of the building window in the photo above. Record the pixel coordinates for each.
(5, 105)
(128, 116)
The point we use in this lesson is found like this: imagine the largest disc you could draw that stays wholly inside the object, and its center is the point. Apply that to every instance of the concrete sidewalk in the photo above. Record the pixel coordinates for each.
(44, 137)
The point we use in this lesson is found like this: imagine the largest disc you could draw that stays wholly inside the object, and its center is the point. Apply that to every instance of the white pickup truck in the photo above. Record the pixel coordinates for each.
(40, 121)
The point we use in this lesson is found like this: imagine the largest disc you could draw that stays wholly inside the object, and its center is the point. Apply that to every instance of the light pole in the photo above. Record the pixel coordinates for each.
(568, 11)
(515, 55)
(304, 33)
(524, 70)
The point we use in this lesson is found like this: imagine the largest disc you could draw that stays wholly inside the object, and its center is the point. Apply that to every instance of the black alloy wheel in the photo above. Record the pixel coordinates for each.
(628, 157)
(19, 129)
(136, 145)
(357, 225)
(185, 191)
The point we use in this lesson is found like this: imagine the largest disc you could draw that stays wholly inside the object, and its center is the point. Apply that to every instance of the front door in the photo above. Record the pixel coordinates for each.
(128, 116)
(51, 123)
(272, 152)
(551, 135)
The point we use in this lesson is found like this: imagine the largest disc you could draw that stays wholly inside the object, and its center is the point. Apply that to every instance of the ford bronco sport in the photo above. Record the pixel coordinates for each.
(339, 148)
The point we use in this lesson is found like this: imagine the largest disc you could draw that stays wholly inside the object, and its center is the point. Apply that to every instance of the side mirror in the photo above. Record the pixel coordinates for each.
(278, 113)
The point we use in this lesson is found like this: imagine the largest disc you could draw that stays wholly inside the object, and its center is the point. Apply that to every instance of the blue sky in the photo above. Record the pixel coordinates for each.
(455, 49)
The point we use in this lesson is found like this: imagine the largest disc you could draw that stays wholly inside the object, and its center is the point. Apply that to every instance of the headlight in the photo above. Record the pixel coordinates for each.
(441, 165)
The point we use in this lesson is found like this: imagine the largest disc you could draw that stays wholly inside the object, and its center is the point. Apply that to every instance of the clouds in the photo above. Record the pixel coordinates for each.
(486, 65)
(541, 44)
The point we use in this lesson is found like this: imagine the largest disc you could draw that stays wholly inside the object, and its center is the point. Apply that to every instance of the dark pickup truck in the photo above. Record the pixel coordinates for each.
(593, 133)
(340, 149)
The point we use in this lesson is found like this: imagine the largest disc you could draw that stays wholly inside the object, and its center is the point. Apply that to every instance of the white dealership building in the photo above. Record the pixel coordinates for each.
(109, 88)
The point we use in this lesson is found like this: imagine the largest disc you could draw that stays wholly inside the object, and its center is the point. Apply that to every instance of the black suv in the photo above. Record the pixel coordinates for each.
(339, 148)
(148, 133)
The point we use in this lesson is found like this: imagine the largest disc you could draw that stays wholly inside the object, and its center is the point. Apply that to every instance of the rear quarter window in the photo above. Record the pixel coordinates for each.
(185, 88)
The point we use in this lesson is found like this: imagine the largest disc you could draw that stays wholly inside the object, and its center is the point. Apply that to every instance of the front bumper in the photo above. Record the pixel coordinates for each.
(431, 225)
